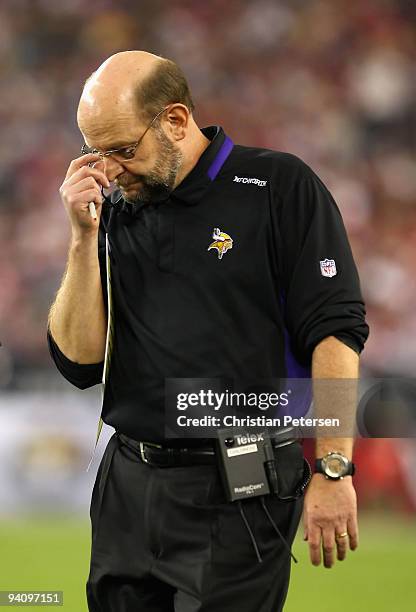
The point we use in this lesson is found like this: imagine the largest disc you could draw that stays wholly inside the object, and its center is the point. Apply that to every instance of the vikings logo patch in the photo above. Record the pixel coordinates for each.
(222, 242)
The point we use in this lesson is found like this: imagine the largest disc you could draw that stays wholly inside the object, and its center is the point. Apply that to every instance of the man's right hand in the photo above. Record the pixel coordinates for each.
(80, 187)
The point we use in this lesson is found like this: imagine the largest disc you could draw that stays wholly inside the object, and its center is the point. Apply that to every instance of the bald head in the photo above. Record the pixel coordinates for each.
(111, 89)
(127, 85)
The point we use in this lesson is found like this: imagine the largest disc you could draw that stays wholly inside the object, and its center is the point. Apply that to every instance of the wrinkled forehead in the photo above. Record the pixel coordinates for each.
(108, 126)
(110, 133)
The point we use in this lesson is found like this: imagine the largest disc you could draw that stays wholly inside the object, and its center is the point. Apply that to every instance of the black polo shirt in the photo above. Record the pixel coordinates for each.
(239, 274)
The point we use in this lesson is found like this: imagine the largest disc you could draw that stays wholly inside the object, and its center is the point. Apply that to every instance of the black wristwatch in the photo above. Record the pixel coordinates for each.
(334, 466)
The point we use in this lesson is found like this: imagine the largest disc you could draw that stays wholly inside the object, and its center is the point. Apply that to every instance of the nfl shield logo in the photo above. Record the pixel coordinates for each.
(328, 267)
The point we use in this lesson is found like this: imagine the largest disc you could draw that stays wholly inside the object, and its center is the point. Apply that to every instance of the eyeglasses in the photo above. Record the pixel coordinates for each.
(123, 153)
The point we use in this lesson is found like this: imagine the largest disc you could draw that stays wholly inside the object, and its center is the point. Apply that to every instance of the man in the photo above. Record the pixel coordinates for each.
(223, 261)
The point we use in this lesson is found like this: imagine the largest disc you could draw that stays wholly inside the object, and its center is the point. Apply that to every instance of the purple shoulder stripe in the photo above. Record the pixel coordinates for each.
(220, 158)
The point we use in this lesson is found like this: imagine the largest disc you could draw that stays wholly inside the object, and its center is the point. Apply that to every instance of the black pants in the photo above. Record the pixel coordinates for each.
(166, 540)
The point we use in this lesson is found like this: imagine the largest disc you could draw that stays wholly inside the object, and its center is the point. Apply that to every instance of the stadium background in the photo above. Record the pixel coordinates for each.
(332, 81)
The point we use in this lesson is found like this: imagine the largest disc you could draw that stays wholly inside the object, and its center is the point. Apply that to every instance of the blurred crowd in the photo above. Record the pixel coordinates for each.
(331, 81)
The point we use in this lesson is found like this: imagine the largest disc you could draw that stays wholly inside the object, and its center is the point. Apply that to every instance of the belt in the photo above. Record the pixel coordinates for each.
(162, 456)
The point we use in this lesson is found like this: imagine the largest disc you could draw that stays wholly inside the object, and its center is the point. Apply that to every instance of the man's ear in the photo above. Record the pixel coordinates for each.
(177, 118)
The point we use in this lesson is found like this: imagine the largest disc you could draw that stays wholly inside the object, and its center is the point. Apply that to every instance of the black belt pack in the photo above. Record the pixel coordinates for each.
(255, 463)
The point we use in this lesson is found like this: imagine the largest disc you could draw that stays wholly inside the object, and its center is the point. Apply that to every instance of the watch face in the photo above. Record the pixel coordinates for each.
(335, 465)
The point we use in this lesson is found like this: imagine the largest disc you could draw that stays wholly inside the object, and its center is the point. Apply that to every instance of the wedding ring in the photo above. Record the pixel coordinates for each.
(341, 535)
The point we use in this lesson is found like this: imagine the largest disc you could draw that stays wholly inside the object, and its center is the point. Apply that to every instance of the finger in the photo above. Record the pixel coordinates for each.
(88, 182)
(328, 545)
(90, 195)
(74, 199)
(305, 527)
(99, 165)
(352, 528)
(314, 542)
(88, 171)
(79, 162)
(342, 543)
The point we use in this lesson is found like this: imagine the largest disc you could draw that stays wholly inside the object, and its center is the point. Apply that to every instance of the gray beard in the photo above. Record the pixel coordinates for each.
(153, 191)
(159, 183)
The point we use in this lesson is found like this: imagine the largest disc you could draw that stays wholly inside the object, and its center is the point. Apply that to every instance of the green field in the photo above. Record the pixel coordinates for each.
(51, 554)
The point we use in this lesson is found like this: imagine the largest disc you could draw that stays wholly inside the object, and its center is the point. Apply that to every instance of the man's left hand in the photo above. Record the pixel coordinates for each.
(330, 510)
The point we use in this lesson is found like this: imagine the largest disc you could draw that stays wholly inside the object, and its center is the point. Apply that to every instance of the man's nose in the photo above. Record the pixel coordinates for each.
(112, 168)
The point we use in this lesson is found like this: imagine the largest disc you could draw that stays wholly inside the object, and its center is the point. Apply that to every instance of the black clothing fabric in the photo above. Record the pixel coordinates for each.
(166, 540)
(253, 311)
(80, 375)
